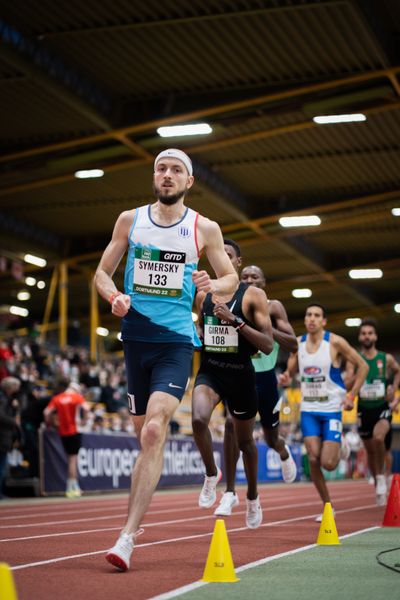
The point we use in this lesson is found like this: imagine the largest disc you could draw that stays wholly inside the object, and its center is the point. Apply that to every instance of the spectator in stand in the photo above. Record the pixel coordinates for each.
(99, 425)
(112, 394)
(89, 375)
(64, 411)
(10, 422)
(31, 420)
(5, 355)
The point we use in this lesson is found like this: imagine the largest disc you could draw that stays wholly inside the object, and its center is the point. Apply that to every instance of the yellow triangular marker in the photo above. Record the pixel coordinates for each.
(328, 535)
(7, 587)
(219, 565)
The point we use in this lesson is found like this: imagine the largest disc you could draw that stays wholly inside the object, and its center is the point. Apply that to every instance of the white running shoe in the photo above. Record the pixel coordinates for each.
(254, 514)
(120, 554)
(289, 468)
(208, 494)
(228, 501)
(320, 517)
(381, 490)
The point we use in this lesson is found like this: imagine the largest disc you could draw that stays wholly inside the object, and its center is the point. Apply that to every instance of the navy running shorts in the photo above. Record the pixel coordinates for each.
(152, 367)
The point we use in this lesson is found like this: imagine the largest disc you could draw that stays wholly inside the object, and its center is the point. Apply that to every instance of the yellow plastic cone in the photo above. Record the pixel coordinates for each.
(219, 566)
(7, 587)
(328, 535)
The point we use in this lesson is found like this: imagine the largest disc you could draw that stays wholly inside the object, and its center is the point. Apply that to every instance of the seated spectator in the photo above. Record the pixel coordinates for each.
(99, 425)
(10, 422)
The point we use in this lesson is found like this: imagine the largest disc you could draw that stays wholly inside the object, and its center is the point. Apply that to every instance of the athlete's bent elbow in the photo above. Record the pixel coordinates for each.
(268, 345)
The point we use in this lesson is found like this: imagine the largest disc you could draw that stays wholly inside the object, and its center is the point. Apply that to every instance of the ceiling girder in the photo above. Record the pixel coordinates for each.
(62, 81)
(201, 113)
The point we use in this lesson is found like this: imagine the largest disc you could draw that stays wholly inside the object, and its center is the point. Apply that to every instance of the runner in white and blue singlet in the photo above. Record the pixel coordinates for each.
(323, 392)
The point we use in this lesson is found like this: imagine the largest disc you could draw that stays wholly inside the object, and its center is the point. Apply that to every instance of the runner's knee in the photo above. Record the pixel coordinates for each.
(153, 434)
(314, 460)
(379, 437)
(246, 445)
(200, 423)
(329, 464)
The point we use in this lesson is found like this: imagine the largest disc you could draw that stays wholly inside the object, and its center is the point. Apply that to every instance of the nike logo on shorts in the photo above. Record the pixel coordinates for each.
(235, 412)
(179, 387)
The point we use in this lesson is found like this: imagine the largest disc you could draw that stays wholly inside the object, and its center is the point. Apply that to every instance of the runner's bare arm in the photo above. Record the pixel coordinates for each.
(210, 239)
(283, 331)
(199, 306)
(349, 375)
(255, 308)
(351, 355)
(394, 367)
(110, 260)
(292, 367)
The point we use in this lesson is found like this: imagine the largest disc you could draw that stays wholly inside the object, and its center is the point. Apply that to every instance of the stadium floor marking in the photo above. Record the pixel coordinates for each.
(173, 522)
(181, 539)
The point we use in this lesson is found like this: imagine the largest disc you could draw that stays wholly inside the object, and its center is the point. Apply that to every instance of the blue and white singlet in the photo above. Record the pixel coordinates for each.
(158, 278)
(322, 387)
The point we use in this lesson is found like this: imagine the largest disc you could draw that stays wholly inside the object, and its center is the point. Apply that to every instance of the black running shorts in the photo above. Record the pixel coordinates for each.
(369, 417)
(235, 387)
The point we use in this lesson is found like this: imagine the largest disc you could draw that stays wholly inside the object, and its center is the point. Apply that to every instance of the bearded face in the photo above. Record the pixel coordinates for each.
(171, 181)
(166, 196)
(367, 337)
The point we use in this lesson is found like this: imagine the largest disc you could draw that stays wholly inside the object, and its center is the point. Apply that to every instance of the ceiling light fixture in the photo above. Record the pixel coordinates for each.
(18, 310)
(35, 260)
(353, 322)
(351, 118)
(41, 285)
(103, 331)
(303, 221)
(302, 293)
(89, 174)
(30, 281)
(23, 296)
(397, 308)
(366, 273)
(396, 212)
(181, 130)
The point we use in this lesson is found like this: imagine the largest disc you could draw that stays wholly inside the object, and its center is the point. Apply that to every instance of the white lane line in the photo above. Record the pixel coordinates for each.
(196, 584)
(166, 511)
(19, 512)
(171, 522)
(180, 539)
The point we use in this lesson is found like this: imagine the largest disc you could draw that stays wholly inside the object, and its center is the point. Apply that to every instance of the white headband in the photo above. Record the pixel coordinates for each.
(175, 153)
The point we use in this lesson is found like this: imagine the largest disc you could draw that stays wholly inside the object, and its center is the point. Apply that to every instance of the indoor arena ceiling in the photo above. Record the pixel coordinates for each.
(85, 85)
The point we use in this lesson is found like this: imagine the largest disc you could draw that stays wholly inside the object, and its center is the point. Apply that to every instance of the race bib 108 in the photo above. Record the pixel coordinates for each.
(218, 337)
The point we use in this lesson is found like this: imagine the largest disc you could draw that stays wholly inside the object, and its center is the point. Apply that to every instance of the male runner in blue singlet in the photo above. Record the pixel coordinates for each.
(164, 241)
